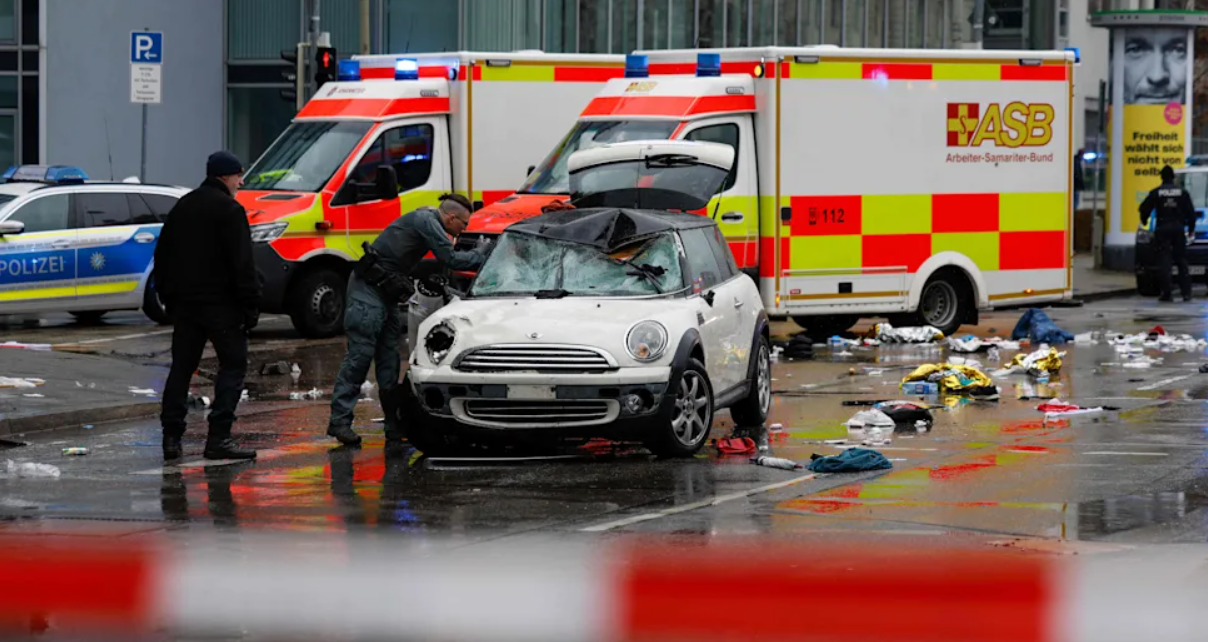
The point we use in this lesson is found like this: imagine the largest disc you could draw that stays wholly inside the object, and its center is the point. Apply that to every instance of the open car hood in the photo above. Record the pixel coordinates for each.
(606, 229)
(658, 175)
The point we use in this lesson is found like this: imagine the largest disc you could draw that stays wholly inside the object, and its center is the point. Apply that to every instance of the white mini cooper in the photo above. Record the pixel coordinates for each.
(625, 317)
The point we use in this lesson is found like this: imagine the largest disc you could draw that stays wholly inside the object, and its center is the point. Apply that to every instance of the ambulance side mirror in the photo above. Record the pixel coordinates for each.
(529, 171)
(386, 182)
(11, 227)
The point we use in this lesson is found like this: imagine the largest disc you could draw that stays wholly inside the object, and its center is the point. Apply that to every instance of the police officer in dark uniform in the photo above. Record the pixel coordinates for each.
(372, 321)
(1176, 222)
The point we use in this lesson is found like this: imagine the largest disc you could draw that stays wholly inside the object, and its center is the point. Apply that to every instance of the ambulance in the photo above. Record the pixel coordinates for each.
(922, 185)
(392, 134)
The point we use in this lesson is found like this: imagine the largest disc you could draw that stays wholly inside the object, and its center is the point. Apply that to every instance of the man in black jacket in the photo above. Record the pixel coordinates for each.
(1176, 224)
(207, 280)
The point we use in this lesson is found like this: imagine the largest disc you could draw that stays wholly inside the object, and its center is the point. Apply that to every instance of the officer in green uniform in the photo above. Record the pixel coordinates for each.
(372, 320)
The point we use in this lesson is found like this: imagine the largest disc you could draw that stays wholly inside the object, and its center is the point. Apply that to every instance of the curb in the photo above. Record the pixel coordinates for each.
(1105, 294)
(74, 418)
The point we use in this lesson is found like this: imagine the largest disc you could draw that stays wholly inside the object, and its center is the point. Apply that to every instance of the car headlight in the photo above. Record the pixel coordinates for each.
(646, 341)
(1144, 235)
(268, 232)
(439, 342)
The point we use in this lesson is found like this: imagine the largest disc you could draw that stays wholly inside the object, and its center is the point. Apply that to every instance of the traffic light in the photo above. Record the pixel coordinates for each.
(325, 65)
(292, 74)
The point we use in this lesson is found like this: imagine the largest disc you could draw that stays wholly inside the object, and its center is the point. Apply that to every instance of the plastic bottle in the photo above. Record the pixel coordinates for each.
(75, 452)
(835, 341)
(777, 462)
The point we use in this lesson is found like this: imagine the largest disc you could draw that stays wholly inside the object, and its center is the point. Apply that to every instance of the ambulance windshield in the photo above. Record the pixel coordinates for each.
(551, 176)
(305, 156)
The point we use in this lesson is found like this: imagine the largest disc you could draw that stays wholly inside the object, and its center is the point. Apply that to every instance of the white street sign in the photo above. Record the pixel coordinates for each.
(145, 85)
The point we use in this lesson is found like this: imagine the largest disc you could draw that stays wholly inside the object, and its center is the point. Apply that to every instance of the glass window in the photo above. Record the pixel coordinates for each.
(624, 26)
(45, 214)
(786, 22)
(853, 27)
(561, 25)
(704, 272)
(960, 17)
(255, 117)
(8, 140)
(8, 92)
(654, 24)
(256, 30)
(407, 149)
(160, 204)
(726, 133)
(550, 177)
(763, 30)
(8, 21)
(496, 25)
(736, 23)
(876, 23)
(593, 26)
(833, 21)
(683, 24)
(1196, 184)
(305, 156)
(417, 25)
(935, 24)
(712, 24)
(810, 23)
(896, 37)
(104, 209)
(140, 211)
(721, 251)
(918, 20)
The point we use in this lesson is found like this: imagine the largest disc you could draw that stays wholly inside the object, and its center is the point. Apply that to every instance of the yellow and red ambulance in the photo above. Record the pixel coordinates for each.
(923, 185)
(457, 122)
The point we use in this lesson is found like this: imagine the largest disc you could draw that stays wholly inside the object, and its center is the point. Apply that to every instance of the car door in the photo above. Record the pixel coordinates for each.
(38, 266)
(741, 297)
(715, 322)
(413, 149)
(115, 249)
(151, 210)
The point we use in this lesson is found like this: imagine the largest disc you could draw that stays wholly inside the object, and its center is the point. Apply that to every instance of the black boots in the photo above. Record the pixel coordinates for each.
(172, 447)
(227, 448)
(345, 435)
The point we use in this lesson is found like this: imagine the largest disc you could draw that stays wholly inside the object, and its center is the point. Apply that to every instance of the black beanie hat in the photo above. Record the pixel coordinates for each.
(223, 163)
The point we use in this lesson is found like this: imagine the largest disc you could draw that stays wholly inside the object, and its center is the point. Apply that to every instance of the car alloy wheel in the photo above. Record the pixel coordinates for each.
(763, 380)
(693, 410)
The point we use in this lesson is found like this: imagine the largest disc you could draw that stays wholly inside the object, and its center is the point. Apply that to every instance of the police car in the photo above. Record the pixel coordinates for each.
(68, 244)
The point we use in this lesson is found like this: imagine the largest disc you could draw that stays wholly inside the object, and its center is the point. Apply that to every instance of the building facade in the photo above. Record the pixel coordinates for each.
(65, 75)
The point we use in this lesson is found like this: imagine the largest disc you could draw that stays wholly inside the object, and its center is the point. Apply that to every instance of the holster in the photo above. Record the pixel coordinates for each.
(391, 285)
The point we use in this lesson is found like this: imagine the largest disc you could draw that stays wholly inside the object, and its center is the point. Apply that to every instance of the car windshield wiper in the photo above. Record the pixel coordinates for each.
(650, 272)
(671, 160)
(556, 293)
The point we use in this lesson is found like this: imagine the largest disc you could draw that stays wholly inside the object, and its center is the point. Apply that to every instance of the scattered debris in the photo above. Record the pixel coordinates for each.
(952, 378)
(905, 412)
(34, 395)
(799, 347)
(30, 469)
(1142, 361)
(1037, 327)
(868, 419)
(776, 462)
(295, 372)
(886, 333)
(1045, 361)
(314, 393)
(243, 396)
(20, 382)
(40, 347)
(1203, 369)
(275, 368)
(142, 391)
(1086, 338)
(735, 445)
(852, 460)
(75, 452)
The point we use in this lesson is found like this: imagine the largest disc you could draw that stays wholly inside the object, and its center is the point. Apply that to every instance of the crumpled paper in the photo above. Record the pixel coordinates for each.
(951, 377)
(886, 333)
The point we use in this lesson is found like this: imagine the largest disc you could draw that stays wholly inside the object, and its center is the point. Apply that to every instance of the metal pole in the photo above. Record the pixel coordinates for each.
(300, 78)
(142, 170)
(1097, 227)
(979, 15)
(364, 27)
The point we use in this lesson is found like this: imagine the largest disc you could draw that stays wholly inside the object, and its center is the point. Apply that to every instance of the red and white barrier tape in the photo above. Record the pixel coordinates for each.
(617, 590)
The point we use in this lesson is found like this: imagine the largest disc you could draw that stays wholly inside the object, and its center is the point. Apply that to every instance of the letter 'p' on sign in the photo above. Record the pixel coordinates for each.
(147, 47)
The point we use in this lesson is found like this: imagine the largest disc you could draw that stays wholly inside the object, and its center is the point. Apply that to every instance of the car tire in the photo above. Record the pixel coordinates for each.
(1147, 285)
(753, 409)
(687, 429)
(823, 327)
(89, 317)
(152, 307)
(944, 303)
(317, 304)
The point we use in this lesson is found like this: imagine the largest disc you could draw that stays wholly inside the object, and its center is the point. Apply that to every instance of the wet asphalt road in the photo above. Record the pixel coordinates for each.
(986, 473)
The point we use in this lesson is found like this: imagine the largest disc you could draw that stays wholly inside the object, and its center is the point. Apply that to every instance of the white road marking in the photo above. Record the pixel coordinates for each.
(1143, 454)
(1164, 382)
(720, 499)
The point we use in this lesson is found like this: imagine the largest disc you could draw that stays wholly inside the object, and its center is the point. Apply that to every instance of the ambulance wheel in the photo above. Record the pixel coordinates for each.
(823, 327)
(317, 304)
(944, 302)
(89, 317)
(1147, 286)
(152, 307)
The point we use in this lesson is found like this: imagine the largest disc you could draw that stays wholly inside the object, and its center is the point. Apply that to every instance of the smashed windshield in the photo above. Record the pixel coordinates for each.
(526, 265)
(550, 177)
(305, 156)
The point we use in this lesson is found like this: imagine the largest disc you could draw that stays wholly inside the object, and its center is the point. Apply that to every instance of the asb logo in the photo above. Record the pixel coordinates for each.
(1016, 124)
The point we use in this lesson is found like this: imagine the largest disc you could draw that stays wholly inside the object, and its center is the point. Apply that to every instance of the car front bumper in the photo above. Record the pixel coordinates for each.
(1147, 260)
(277, 273)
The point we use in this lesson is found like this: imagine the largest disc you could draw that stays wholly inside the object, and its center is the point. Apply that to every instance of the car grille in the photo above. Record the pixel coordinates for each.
(542, 358)
(526, 413)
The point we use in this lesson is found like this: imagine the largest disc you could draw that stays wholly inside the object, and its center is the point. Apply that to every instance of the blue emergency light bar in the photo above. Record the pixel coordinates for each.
(636, 66)
(44, 174)
(1077, 54)
(349, 70)
(406, 69)
(708, 64)
(1198, 160)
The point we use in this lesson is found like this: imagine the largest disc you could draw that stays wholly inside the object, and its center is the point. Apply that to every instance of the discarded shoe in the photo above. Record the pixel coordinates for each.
(228, 449)
(344, 434)
(735, 445)
(172, 447)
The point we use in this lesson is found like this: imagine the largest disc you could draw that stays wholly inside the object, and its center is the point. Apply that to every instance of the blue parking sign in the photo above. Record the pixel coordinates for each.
(147, 47)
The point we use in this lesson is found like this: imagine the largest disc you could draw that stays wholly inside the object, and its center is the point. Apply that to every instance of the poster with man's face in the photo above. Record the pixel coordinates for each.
(1155, 65)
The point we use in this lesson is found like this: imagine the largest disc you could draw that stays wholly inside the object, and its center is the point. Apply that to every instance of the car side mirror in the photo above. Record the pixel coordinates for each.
(708, 297)
(11, 227)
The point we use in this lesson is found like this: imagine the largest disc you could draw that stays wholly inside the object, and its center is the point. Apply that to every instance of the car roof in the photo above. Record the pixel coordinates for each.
(607, 228)
(19, 188)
